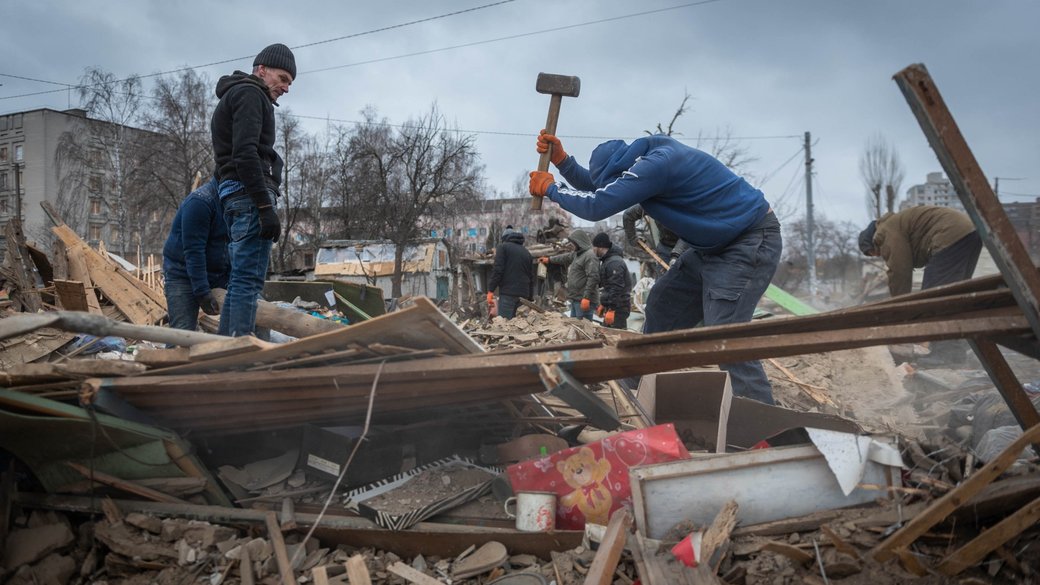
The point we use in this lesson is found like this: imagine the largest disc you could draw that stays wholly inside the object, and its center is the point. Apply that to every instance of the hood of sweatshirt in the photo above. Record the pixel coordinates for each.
(515, 237)
(582, 240)
(226, 82)
(614, 157)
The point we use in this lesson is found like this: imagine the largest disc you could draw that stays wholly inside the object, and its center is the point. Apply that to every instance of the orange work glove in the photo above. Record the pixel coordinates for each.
(544, 259)
(585, 304)
(491, 299)
(540, 181)
(600, 309)
(545, 140)
(609, 318)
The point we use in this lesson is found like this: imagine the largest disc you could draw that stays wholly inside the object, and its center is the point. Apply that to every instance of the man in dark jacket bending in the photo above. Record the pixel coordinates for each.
(195, 258)
(615, 298)
(249, 171)
(513, 275)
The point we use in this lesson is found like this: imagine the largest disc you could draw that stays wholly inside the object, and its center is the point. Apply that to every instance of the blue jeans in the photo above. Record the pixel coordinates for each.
(577, 313)
(507, 305)
(249, 258)
(181, 304)
(721, 288)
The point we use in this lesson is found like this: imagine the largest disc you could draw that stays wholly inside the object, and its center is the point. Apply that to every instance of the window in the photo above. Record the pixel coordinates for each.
(483, 231)
(3, 205)
(95, 206)
(19, 153)
(442, 257)
(3, 154)
(308, 258)
(95, 184)
(3, 180)
(95, 232)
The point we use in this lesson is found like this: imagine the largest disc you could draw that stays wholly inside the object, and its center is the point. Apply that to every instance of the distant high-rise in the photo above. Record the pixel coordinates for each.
(936, 190)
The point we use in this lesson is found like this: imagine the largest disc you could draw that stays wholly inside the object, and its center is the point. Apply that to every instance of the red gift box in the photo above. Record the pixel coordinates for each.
(591, 481)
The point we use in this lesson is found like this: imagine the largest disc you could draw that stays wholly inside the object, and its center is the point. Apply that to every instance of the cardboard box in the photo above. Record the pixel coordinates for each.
(326, 449)
(696, 402)
(701, 405)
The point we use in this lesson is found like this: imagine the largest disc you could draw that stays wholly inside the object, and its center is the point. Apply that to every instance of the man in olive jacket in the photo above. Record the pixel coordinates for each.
(582, 274)
(941, 240)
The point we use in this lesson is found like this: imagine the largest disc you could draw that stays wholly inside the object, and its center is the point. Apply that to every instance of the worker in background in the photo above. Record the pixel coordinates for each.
(734, 237)
(249, 170)
(582, 274)
(668, 246)
(615, 299)
(195, 258)
(941, 240)
(513, 274)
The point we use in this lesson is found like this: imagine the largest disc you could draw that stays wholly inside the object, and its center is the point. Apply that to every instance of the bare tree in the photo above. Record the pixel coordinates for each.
(414, 173)
(882, 174)
(115, 105)
(722, 145)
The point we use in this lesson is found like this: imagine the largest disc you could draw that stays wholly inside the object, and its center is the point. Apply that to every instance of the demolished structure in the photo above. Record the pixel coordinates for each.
(383, 451)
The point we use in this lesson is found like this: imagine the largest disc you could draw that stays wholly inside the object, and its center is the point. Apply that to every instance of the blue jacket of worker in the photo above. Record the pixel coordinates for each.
(197, 247)
(688, 191)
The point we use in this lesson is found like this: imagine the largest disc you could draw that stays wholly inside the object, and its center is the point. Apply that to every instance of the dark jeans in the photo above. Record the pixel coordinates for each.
(249, 258)
(507, 305)
(953, 263)
(717, 289)
(181, 304)
(577, 313)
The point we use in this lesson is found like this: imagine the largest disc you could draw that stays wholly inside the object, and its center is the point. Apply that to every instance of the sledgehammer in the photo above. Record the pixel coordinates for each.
(556, 86)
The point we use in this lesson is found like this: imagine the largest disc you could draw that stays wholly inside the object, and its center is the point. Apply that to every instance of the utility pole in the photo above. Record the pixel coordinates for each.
(18, 190)
(996, 183)
(809, 226)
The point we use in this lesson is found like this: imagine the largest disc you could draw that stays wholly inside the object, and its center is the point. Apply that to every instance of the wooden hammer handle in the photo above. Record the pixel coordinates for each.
(550, 127)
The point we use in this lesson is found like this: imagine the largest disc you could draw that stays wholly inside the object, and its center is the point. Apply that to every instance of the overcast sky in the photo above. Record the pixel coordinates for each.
(760, 68)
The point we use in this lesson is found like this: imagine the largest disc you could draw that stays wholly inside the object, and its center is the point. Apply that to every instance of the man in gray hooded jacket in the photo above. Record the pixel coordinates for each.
(582, 274)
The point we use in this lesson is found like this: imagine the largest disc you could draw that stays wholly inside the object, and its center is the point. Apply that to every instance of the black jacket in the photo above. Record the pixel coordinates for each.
(616, 282)
(243, 134)
(514, 272)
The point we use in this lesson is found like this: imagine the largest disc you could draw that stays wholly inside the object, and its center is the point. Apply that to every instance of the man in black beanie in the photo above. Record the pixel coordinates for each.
(615, 298)
(249, 171)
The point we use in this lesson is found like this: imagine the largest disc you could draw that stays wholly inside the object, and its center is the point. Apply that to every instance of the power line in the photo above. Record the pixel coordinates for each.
(511, 37)
(350, 36)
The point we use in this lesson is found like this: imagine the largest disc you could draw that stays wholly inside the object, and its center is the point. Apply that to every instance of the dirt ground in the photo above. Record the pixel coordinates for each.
(865, 385)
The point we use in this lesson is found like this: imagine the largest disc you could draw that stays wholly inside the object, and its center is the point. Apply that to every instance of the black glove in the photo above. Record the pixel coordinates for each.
(270, 225)
(208, 303)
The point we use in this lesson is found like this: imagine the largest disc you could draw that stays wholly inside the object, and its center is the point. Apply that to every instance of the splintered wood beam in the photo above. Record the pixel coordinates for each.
(993, 538)
(124, 485)
(973, 189)
(281, 555)
(601, 571)
(945, 505)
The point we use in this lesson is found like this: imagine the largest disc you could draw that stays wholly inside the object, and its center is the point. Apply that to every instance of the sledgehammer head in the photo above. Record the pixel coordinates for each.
(565, 85)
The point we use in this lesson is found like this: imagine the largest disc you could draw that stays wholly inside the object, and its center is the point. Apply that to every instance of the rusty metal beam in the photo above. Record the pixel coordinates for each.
(979, 201)
(1004, 379)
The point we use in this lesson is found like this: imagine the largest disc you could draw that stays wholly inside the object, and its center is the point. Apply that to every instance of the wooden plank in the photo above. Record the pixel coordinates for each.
(288, 321)
(601, 571)
(124, 485)
(410, 574)
(281, 555)
(229, 346)
(100, 326)
(716, 536)
(157, 358)
(245, 568)
(792, 552)
(78, 271)
(357, 572)
(72, 294)
(21, 266)
(137, 301)
(945, 505)
(985, 543)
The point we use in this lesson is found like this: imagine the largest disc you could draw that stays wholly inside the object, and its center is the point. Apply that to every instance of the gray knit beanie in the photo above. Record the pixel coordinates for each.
(278, 56)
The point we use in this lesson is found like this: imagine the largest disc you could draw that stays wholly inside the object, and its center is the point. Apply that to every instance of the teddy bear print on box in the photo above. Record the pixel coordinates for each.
(591, 481)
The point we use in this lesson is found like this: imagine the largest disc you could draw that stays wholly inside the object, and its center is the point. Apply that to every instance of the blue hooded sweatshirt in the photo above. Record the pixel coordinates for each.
(687, 190)
(196, 248)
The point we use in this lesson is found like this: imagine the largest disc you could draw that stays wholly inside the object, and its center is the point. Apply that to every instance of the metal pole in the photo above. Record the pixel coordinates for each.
(18, 190)
(809, 226)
